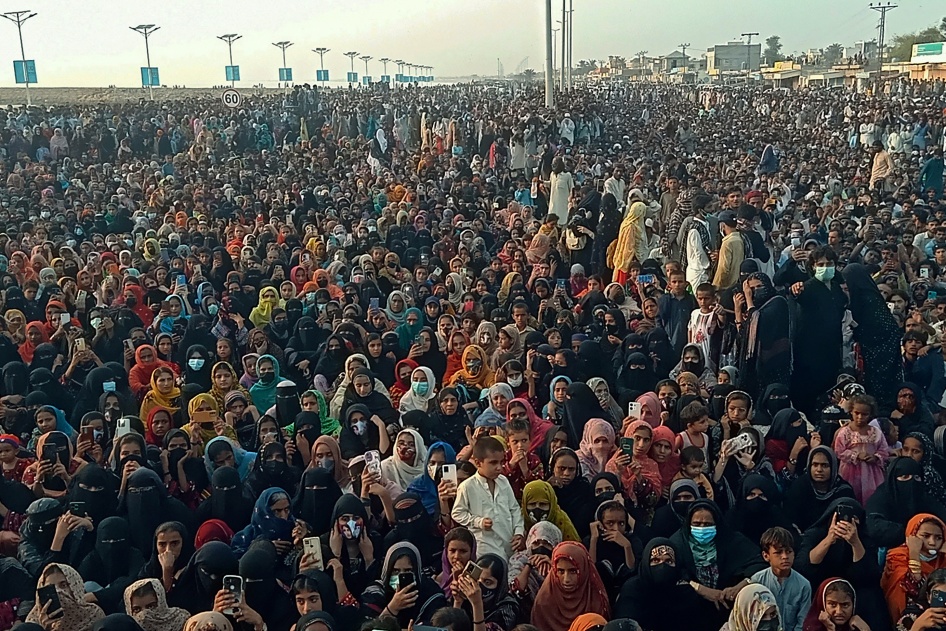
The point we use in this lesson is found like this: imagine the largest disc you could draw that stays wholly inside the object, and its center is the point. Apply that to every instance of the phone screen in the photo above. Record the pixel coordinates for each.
(627, 446)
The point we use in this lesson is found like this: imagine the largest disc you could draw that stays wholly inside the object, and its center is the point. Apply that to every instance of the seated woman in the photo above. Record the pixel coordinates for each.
(788, 441)
(361, 391)
(839, 548)
(901, 496)
(733, 466)
(613, 545)
(74, 613)
(572, 589)
(202, 432)
(834, 609)
(146, 362)
(49, 476)
(815, 488)
(272, 520)
(639, 474)
(163, 393)
(487, 598)
(754, 609)
(113, 564)
(539, 503)
(362, 431)
(716, 558)
(596, 447)
(669, 518)
(572, 490)
(272, 469)
(225, 380)
(529, 568)
(146, 602)
(222, 451)
(407, 462)
(402, 591)
(908, 565)
(351, 541)
(157, 425)
(758, 508)
(927, 611)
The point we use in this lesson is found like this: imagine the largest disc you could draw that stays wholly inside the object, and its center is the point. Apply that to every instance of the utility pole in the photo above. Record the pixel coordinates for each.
(549, 56)
(749, 37)
(366, 59)
(229, 38)
(571, 41)
(146, 30)
(18, 18)
(283, 46)
(684, 47)
(564, 42)
(882, 10)
(321, 50)
(400, 68)
(351, 57)
(554, 50)
(640, 63)
(384, 61)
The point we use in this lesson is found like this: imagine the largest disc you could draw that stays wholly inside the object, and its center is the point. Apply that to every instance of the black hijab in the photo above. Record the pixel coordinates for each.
(227, 502)
(317, 490)
(581, 405)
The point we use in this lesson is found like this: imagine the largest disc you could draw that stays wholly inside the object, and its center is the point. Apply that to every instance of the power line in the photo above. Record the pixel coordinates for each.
(882, 9)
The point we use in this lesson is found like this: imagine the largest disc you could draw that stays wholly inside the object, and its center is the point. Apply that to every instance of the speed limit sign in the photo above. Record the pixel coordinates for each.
(232, 98)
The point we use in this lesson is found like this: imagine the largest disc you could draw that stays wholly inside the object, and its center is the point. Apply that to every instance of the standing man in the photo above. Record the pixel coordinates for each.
(732, 251)
(668, 199)
(881, 168)
(616, 185)
(699, 249)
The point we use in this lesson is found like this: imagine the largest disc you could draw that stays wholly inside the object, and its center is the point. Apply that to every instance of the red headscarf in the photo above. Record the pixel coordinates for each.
(538, 427)
(400, 387)
(671, 467)
(555, 608)
(812, 621)
(139, 377)
(140, 309)
(150, 437)
(27, 348)
(212, 530)
(897, 566)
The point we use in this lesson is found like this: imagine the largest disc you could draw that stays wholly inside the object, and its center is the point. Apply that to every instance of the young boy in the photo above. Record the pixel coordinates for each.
(487, 506)
(673, 311)
(695, 419)
(520, 466)
(692, 466)
(703, 320)
(792, 590)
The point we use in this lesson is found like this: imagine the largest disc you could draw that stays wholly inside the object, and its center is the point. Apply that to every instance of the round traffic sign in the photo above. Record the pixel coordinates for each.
(232, 98)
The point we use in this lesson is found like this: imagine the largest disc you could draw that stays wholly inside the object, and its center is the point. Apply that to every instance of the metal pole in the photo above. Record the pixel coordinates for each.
(882, 9)
(549, 56)
(229, 39)
(749, 54)
(321, 51)
(147, 30)
(564, 45)
(18, 18)
(684, 47)
(571, 40)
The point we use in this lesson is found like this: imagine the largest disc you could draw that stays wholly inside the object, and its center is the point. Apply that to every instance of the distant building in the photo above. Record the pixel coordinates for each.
(733, 58)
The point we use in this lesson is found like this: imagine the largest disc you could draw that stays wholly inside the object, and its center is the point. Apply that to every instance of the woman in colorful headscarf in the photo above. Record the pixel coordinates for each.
(572, 588)
(663, 451)
(396, 306)
(16, 325)
(908, 565)
(262, 313)
(754, 609)
(538, 428)
(156, 616)
(146, 362)
(413, 324)
(224, 380)
(35, 335)
(77, 613)
(163, 393)
(842, 616)
(402, 380)
(204, 402)
(422, 392)
(596, 447)
(324, 280)
(539, 503)
(475, 371)
(135, 300)
(639, 474)
(264, 390)
(631, 237)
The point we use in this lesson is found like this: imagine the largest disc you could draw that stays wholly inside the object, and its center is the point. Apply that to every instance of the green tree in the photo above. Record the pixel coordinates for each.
(833, 54)
(528, 74)
(585, 66)
(901, 47)
(773, 47)
(942, 27)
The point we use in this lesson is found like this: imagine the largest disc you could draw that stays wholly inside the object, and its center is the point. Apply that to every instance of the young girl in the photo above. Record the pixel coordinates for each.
(862, 449)
(13, 466)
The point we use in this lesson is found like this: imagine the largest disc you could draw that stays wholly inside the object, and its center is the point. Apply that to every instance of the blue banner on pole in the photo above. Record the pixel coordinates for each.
(233, 73)
(399, 77)
(150, 77)
(321, 75)
(285, 74)
(366, 80)
(352, 77)
(24, 71)
(385, 78)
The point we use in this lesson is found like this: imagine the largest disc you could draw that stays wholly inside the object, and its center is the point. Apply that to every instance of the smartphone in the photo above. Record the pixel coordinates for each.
(88, 434)
(181, 279)
(81, 345)
(844, 513)
(122, 427)
(937, 599)
(205, 418)
(924, 272)
(891, 306)
(373, 462)
(473, 570)
(931, 295)
(77, 509)
(129, 345)
(645, 279)
(312, 546)
(560, 284)
(48, 594)
(449, 473)
(627, 446)
(65, 318)
(437, 272)
(50, 453)
(234, 585)
(634, 409)
(374, 303)
(405, 580)
(83, 295)
(740, 442)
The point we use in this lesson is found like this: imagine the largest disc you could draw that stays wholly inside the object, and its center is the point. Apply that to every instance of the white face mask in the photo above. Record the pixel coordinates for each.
(432, 470)
(515, 382)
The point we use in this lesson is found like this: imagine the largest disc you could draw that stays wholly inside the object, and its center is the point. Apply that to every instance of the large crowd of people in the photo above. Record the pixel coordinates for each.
(659, 357)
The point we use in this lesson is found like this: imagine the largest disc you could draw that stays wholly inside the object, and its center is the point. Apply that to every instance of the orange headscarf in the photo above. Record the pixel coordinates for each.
(556, 609)
(897, 566)
(27, 348)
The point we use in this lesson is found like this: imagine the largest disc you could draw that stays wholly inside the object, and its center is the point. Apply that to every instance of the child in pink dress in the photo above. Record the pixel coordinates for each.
(862, 449)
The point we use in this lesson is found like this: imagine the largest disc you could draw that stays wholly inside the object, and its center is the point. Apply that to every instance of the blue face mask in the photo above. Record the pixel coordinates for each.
(420, 388)
(108, 386)
(359, 427)
(825, 273)
(213, 309)
(703, 534)
(195, 364)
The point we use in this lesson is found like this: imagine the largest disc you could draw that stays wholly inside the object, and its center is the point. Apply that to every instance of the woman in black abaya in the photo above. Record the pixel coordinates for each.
(765, 353)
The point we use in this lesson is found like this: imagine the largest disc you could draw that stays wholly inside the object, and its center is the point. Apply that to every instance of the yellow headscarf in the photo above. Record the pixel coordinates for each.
(542, 491)
(630, 236)
(219, 395)
(206, 434)
(510, 280)
(484, 379)
(261, 313)
(154, 398)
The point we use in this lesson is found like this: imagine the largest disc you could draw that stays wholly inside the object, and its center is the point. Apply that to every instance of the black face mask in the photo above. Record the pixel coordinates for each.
(538, 514)
(680, 508)
(543, 551)
(131, 302)
(663, 574)
(275, 467)
(279, 326)
(693, 367)
(756, 505)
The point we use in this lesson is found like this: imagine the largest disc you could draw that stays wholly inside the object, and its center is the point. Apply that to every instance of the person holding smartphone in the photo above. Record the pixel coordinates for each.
(403, 592)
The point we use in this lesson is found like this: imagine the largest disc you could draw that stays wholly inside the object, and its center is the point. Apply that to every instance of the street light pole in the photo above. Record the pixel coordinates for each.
(351, 57)
(571, 40)
(146, 30)
(564, 42)
(229, 38)
(18, 18)
(549, 56)
(321, 51)
(283, 46)
(384, 61)
(640, 64)
(366, 59)
(749, 37)
(684, 47)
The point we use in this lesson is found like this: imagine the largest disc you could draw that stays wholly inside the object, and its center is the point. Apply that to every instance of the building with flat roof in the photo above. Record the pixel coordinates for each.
(733, 58)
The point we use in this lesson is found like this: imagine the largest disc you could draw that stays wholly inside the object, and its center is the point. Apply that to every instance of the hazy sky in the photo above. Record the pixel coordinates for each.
(89, 43)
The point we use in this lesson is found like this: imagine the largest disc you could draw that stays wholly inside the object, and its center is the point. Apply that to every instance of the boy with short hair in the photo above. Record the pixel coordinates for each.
(486, 505)
(792, 590)
(520, 466)
(692, 466)
(673, 310)
(704, 319)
